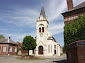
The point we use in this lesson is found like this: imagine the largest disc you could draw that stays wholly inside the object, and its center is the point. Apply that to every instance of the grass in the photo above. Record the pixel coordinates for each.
(20, 58)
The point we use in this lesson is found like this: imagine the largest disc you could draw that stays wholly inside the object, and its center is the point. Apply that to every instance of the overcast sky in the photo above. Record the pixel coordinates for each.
(18, 17)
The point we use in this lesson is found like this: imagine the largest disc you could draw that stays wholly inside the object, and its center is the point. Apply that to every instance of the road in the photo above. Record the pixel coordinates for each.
(12, 59)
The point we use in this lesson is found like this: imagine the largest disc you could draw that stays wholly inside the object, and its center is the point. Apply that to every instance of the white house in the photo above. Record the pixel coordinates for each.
(46, 44)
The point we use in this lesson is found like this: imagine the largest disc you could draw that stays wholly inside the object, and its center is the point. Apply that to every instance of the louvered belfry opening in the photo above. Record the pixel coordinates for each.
(42, 29)
(39, 29)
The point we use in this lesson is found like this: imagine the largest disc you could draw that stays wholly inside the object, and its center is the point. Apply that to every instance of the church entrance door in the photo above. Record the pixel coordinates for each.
(54, 51)
(40, 50)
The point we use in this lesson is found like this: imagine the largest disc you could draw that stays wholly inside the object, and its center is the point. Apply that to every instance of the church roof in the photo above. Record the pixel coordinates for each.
(51, 38)
(43, 11)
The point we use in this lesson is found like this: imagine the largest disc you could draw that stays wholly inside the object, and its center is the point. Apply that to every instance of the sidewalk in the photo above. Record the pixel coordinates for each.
(48, 57)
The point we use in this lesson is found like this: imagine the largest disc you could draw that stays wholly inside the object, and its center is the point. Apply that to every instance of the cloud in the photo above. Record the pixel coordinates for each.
(3, 29)
(56, 29)
(56, 7)
(21, 17)
(18, 36)
(26, 17)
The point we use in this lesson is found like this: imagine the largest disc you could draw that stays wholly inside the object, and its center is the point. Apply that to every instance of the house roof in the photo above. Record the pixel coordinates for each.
(4, 40)
(19, 45)
(82, 5)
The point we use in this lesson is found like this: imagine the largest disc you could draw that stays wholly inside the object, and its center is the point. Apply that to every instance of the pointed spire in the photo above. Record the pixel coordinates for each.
(42, 11)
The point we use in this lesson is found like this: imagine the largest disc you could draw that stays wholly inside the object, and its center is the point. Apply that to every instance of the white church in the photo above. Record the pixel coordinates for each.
(46, 44)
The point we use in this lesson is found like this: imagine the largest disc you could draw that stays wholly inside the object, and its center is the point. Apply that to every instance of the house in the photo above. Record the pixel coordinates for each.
(19, 45)
(8, 47)
(19, 48)
(73, 12)
(46, 44)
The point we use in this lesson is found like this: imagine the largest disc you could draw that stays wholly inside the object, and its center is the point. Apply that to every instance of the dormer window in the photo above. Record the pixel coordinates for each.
(42, 29)
(39, 29)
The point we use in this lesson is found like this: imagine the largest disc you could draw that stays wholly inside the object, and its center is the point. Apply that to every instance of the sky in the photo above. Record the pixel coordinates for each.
(18, 18)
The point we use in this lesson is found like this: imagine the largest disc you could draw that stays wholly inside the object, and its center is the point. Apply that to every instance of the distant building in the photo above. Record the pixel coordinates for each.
(20, 48)
(8, 47)
(73, 12)
(46, 44)
(19, 45)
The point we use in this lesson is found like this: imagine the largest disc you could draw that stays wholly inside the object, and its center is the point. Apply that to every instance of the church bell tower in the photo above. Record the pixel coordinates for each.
(42, 29)
(42, 26)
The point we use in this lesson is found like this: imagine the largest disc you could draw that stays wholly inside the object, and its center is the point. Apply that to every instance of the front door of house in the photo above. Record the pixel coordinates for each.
(40, 50)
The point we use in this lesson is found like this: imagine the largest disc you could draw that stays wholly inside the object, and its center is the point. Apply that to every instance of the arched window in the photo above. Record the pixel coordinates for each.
(39, 29)
(42, 29)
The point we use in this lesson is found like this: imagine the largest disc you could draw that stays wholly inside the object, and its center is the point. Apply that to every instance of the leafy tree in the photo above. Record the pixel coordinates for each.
(74, 31)
(1, 36)
(29, 43)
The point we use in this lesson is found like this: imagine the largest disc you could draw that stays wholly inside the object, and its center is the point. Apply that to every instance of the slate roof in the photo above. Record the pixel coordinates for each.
(4, 40)
(80, 5)
(43, 11)
(77, 7)
(51, 38)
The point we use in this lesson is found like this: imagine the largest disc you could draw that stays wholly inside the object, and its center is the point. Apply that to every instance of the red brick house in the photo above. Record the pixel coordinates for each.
(19, 45)
(8, 47)
(73, 12)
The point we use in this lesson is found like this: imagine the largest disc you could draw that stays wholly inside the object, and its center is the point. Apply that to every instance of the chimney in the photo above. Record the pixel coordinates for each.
(70, 4)
(9, 39)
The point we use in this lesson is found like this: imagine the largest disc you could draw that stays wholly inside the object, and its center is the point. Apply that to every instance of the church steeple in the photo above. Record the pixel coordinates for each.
(42, 16)
(43, 11)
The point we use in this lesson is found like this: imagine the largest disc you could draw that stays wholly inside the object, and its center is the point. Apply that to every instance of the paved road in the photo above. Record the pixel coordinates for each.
(12, 59)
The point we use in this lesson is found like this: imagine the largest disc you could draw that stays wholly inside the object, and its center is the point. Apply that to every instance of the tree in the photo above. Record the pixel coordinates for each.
(74, 31)
(29, 43)
(1, 36)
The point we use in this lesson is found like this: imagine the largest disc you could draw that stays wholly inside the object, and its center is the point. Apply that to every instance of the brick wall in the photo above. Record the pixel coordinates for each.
(24, 51)
(1, 49)
(13, 50)
(75, 53)
(81, 53)
(7, 49)
(72, 14)
(70, 4)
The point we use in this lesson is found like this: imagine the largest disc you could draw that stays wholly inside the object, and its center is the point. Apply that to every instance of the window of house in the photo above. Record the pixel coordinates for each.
(39, 29)
(42, 29)
(15, 49)
(4, 49)
(10, 49)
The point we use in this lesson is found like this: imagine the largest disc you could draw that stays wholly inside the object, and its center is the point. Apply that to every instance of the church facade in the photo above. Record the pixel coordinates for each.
(46, 44)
